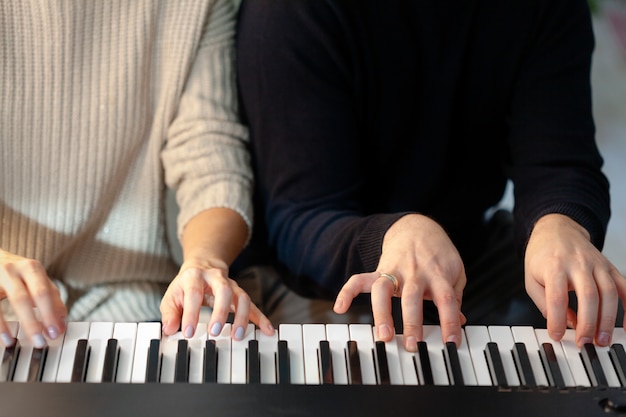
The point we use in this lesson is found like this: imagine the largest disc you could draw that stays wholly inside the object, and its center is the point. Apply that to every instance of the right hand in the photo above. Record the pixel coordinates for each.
(25, 283)
(419, 253)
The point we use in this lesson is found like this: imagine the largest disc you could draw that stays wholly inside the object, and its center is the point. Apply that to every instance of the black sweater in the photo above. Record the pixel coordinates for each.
(363, 110)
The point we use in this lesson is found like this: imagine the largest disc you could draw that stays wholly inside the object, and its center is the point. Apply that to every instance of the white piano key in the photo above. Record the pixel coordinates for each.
(526, 335)
(432, 337)
(292, 334)
(196, 354)
(572, 354)
(223, 348)
(145, 333)
(465, 358)
(393, 360)
(543, 337)
(409, 372)
(338, 336)
(239, 348)
(268, 349)
(169, 349)
(22, 367)
(14, 329)
(75, 331)
(477, 339)
(53, 358)
(504, 338)
(126, 336)
(312, 334)
(607, 366)
(99, 334)
(362, 334)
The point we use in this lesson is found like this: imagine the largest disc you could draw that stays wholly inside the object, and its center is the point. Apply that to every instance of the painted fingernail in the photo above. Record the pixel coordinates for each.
(38, 341)
(216, 329)
(7, 339)
(189, 331)
(53, 332)
(604, 338)
(239, 333)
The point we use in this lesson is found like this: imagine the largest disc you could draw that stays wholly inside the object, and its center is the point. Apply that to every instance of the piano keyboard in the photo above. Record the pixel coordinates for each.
(315, 354)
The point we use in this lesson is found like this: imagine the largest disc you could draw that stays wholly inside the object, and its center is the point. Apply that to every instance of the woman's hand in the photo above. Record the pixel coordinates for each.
(34, 298)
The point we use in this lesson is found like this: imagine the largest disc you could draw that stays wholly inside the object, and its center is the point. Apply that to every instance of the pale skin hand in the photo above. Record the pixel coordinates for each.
(26, 285)
(560, 258)
(211, 241)
(419, 253)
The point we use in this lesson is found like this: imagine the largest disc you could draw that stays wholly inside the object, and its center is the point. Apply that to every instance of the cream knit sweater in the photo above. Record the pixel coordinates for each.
(102, 102)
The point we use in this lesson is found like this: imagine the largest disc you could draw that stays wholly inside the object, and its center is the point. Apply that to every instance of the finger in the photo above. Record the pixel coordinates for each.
(193, 296)
(556, 306)
(242, 314)
(22, 303)
(412, 315)
(448, 306)
(257, 317)
(382, 291)
(6, 335)
(588, 305)
(47, 299)
(222, 306)
(608, 307)
(357, 284)
(171, 309)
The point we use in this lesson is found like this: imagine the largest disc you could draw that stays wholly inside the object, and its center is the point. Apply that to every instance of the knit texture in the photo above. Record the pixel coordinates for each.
(103, 103)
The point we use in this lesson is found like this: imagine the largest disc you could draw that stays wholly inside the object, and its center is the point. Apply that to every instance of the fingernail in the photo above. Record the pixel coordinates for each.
(239, 333)
(585, 340)
(411, 344)
(384, 332)
(53, 332)
(38, 341)
(7, 339)
(452, 338)
(604, 338)
(216, 329)
(189, 331)
(338, 304)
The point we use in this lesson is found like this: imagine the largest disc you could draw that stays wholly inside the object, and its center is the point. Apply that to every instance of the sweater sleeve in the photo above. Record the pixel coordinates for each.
(206, 157)
(295, 81)
(556, 163)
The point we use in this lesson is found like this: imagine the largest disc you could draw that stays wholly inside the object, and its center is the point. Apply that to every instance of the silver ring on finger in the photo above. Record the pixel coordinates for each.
(394, 281)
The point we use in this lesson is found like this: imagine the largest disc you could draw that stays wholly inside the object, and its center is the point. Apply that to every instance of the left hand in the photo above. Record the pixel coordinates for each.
(200, 283)
(560, 258)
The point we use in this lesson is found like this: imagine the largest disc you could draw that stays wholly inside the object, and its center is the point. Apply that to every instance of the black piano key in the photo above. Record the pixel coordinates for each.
(153, 362)
(618, 358)
(81, 359)
(37, 363)
(254, 362)
(496, 368)
(9, 362)
(111, 358)
(354, 363)
(524, 368)
(593, 366)
(325, 362)
(210, 362)
(424, 359)
(551, 366)
(383, 365)
(283, 364)
(181, 369)
(453, 365)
